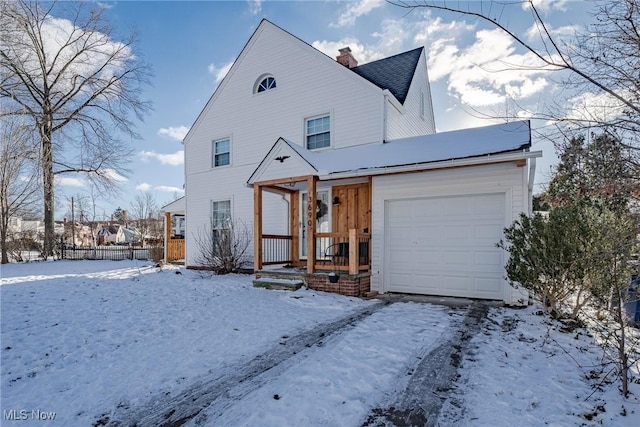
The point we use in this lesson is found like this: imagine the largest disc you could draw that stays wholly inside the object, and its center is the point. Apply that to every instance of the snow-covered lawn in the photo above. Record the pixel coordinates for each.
(93, 341)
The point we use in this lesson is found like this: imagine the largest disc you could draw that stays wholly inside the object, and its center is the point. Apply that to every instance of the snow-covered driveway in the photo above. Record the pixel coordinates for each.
(119, 342)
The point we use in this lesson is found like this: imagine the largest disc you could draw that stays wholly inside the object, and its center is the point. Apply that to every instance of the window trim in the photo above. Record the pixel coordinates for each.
(262, 78)
(214, 154)
(306, 134)
(213, 203)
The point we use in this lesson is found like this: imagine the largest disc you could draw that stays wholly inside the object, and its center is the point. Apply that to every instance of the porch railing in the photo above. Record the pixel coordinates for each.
(343, 251)
(175, 249)
(276, 249)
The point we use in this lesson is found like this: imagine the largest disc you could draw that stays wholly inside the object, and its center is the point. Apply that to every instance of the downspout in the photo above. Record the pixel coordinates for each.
(384, 116)
(532, 175)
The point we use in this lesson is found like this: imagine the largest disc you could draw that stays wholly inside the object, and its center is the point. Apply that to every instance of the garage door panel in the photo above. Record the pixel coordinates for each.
(488, 258)
(426, 258)
(445, 246)
(455, 258)
(488, 285)
(457, 283)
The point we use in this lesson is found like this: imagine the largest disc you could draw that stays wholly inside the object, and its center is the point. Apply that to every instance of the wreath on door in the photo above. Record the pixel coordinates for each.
(321, 209)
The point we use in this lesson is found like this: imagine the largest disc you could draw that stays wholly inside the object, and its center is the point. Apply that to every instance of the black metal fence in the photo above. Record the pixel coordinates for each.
(113, 253)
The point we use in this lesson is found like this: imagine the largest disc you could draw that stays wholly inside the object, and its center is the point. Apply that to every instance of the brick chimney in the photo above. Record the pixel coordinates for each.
(346, 58)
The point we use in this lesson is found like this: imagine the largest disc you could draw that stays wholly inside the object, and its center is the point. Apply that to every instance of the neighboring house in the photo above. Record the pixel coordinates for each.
(117, 234)
(397, 208)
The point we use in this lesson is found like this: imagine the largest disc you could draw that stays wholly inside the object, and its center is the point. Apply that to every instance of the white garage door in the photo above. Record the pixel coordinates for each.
(445, 246)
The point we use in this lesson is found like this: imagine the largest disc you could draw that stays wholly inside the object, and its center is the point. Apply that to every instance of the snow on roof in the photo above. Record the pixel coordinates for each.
(459, 144)
(175, 206)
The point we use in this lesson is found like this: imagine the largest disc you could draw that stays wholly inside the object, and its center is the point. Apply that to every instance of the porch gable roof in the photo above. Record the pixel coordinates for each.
(281, 161)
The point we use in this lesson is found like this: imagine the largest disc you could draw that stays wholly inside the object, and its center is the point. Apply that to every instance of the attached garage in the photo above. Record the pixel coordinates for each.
(435, 231)
(445, 245)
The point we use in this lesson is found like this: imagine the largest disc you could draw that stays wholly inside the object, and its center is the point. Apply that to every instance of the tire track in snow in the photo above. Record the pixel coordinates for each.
(432, 379)
(175, 411)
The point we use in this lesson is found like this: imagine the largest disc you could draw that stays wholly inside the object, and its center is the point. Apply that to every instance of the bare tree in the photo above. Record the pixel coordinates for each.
(144, 212)
(62, 68)
(597, 64)
(19, 174)
(223, 250)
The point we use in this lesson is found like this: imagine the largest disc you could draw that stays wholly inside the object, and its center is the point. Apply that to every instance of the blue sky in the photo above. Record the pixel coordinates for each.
(191, 44)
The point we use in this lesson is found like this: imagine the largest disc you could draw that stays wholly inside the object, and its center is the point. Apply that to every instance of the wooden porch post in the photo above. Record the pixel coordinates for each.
(294, 229)
(354, 256)
(311, 223)
(257, 227)
(167, 234)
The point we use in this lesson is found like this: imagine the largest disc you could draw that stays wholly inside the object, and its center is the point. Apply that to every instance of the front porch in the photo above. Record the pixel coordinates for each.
(322, 241)
(174, 229)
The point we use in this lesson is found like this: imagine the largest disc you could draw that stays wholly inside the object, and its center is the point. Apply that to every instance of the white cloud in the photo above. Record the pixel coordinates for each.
(391, 37)
(595, 107)
(219, 72)
(173, 159)
(535, 33)
(143, 186)
(255, 6)
(113, 175)
(169, 189)
(356, 10)
(430, 29)
(177, 133)
(546, 5)
(487, 72)
(67, 181)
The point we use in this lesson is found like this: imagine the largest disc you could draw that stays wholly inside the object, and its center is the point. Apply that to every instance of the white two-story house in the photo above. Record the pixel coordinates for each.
(396, 207)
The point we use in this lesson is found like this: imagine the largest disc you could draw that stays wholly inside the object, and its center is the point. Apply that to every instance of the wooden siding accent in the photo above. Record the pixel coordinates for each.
(354, 210)
(175, 249)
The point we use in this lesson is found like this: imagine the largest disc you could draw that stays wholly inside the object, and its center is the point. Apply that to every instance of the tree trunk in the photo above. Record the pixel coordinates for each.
(3, 241)
(47, 181)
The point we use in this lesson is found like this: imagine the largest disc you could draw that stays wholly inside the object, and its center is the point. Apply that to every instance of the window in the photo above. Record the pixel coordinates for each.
(221, 152)
(220, 217)
(318, 132)
(266, 84)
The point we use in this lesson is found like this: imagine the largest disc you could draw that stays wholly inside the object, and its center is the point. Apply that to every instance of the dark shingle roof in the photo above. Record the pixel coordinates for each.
(394, 73)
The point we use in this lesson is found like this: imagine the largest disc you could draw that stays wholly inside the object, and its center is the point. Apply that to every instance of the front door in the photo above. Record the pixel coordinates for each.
(323, 221)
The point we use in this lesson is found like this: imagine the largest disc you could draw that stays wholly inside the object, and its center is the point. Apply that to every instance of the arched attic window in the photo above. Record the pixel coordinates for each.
(264, 83)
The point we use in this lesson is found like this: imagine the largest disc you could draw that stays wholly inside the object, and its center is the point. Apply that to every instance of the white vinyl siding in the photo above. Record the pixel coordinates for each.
(255, 122)
(417, 117)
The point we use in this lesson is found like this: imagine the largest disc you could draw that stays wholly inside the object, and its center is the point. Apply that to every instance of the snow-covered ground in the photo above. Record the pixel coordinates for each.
(97, 341)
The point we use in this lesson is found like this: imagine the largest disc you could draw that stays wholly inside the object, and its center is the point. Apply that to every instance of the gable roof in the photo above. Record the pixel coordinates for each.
(394, 73)
(420, 150)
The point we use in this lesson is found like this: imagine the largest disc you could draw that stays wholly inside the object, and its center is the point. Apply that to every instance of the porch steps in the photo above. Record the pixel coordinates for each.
(279, 284)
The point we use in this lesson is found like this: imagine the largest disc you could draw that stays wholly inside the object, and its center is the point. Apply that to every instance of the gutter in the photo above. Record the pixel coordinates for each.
(416, 167)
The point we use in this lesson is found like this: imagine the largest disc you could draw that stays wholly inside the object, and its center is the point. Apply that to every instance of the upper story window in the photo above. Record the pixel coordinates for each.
(264, 83)
(318, 132)
(221, 152)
